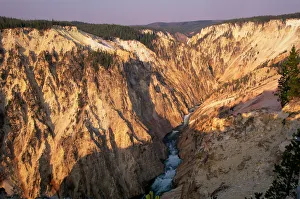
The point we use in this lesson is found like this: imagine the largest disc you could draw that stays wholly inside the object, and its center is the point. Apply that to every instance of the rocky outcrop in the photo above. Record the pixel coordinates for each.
(233, 156)
(72, 125)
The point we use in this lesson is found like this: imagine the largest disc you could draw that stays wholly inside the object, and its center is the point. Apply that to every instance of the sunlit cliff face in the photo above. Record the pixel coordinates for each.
(73, 128)
(240, 131)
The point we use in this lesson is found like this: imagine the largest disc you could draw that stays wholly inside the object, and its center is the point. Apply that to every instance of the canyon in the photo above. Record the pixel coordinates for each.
(71, 127)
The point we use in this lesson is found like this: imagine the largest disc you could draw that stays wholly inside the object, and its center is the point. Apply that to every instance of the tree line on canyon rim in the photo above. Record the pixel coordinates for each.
(110, 31)
(264, 19)
(106, 31)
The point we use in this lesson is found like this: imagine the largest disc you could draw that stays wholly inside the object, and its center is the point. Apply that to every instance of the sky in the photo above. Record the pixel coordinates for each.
(140, 12)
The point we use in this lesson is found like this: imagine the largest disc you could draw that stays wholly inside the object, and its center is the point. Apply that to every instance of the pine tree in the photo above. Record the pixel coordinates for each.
(283, 86)
(289, 82)
(294, 83)
(287, 173)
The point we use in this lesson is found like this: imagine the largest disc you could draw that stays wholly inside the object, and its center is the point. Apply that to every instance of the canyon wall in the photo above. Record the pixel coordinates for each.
(71, 126)
(240, 131)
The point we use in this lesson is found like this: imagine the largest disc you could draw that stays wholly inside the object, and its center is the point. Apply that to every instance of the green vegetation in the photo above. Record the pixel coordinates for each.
(2, 53)
(188, 28)
(236, 84)
(147, 39)
(106, 31)
(287, 174)
(110, 31)
(100, 57)
(263, 19)
(48, 57)
(193, 27)
(151, 196)
(289, 82)
(6, 22)
(80, 100)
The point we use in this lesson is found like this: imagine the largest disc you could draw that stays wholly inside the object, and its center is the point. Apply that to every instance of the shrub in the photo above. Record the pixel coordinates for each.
(100, 58)
(151, 196)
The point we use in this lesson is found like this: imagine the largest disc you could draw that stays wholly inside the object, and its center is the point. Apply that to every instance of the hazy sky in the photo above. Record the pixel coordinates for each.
(130, 12)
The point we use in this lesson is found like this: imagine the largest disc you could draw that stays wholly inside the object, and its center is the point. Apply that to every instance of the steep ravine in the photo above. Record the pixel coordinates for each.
(71, 127)
(164, 182)
(242, 117)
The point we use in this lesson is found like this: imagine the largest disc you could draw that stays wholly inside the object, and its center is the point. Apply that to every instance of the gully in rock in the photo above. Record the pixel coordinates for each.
(163, 183)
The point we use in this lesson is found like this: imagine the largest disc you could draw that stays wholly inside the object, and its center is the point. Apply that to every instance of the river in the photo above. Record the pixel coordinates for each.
(164, 182)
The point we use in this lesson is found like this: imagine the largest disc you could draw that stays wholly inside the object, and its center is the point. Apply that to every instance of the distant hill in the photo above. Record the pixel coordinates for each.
(189, 28)
(263, 19)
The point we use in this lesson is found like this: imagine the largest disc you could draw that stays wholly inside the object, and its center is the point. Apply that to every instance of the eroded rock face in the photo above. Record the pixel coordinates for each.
(72, 127)
(234, 50)
(239, 132)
